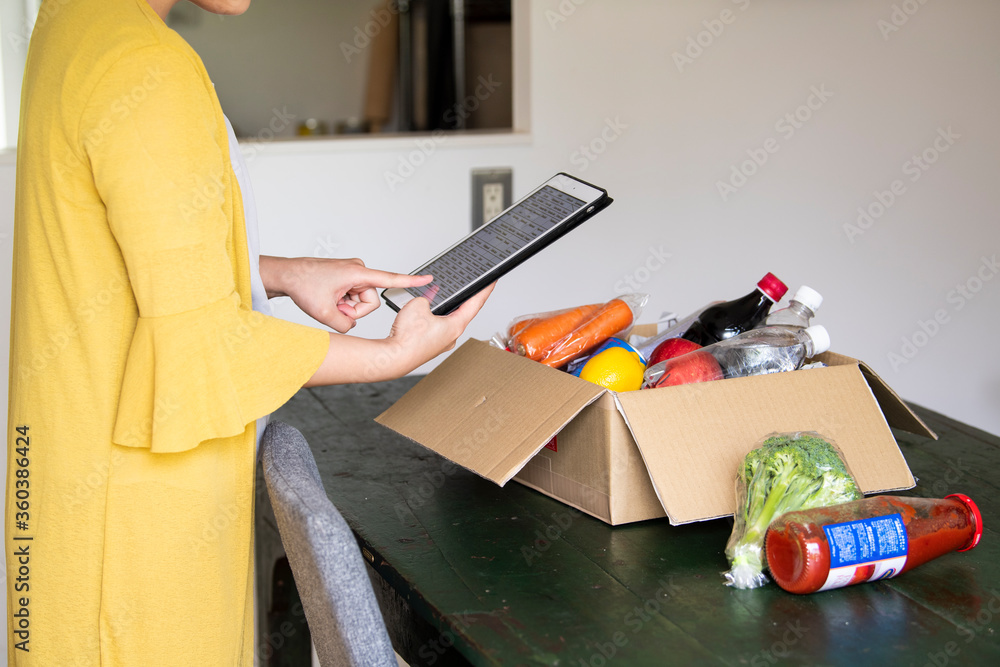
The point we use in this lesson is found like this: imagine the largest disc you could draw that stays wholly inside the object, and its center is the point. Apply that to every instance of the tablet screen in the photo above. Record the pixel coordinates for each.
(495, 243)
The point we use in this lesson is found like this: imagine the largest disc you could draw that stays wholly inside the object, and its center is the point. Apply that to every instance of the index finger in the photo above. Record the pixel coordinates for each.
(376, 278)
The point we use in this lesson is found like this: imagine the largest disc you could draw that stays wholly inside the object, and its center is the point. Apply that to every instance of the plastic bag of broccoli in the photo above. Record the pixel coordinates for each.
(787, 472)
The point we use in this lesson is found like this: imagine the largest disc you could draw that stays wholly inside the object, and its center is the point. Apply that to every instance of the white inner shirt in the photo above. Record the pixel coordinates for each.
(257, 291)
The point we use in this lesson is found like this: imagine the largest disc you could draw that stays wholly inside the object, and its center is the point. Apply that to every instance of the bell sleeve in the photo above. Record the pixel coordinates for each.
(201, 363)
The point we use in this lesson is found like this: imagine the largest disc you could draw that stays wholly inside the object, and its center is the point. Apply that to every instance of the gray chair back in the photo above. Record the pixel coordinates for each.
(344, 619)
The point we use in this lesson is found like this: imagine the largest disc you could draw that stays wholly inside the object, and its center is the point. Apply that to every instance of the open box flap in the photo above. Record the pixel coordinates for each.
(693, 437)
(897, 413)
(489, 410)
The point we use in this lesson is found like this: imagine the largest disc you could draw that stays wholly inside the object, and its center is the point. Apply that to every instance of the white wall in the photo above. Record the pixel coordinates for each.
(682, 130)
(15, 32)
(680, 134)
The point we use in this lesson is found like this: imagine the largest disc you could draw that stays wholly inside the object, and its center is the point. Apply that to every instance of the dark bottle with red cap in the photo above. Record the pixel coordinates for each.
(730, 318)
(866, 540)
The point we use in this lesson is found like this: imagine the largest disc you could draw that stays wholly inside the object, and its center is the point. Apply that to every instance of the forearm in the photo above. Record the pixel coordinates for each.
(276, 273)
(416, 337)
(350, 359)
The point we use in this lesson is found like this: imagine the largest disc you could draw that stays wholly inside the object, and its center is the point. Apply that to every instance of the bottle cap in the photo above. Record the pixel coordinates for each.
(820, 338)
(808, 297)
(772, 287)
(976, 517)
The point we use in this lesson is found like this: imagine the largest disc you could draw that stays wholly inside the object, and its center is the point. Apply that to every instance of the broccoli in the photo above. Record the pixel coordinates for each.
(789, 471)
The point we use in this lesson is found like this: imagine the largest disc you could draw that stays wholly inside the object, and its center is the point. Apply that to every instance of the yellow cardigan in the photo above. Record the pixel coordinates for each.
(137, 367)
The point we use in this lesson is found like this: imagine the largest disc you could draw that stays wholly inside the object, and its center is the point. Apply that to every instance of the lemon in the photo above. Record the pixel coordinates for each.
(616, 368)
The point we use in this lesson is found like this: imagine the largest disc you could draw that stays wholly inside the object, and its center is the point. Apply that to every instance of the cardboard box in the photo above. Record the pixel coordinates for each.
(638, 455)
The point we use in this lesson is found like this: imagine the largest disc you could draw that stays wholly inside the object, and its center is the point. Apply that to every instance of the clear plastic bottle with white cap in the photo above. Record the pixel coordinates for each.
(801, 309)
(755, 352)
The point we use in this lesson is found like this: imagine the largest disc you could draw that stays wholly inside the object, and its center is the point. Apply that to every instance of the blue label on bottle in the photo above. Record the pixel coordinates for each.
(865, 550)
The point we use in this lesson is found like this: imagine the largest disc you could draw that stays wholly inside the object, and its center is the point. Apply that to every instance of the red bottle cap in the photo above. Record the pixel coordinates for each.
(772, 287)
(976, 516)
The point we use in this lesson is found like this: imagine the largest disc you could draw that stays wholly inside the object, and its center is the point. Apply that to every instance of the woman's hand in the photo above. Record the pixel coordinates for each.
(417, 336)
(336, 292)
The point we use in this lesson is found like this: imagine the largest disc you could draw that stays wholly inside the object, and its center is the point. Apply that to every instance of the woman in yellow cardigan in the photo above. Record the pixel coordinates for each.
(138, 367)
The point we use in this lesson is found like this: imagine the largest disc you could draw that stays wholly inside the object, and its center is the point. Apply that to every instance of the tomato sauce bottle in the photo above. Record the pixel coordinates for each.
(866, 540)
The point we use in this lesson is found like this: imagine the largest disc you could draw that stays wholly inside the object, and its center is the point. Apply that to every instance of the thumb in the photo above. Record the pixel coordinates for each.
(472, 306)
(338, 320)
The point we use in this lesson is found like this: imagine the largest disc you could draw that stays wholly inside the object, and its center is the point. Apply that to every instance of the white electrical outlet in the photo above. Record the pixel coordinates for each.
(492, 200)
(491, 193)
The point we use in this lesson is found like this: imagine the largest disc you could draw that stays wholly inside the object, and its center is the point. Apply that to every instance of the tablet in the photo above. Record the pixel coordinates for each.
(549, 211)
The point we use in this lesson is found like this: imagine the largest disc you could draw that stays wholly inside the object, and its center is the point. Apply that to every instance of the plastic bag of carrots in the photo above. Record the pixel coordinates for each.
(556, 338)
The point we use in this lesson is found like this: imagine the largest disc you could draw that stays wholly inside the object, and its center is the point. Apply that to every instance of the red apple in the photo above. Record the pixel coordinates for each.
(692, 367)
(670, 348)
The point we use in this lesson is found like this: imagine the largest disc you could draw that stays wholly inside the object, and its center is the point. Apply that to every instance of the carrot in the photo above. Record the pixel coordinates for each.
(535, 340)
(611, 318)
(516, 328)
(520, 326)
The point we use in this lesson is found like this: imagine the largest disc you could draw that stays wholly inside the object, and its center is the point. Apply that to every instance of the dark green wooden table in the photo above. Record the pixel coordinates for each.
(468, 571)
